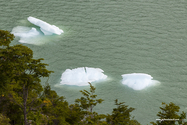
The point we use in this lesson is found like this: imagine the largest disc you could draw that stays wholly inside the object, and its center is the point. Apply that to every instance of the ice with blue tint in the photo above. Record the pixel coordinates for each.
(31, 35)
(138, 81)
(26, 34)
(45, 27)
(81, 76)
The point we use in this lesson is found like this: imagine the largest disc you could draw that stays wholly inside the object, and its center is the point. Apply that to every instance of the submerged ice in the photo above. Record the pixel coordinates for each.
(26, 34)
(81, 76)
(45, 27)
(138, 81)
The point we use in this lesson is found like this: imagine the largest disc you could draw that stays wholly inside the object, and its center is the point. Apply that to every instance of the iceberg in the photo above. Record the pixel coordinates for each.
(45, 27)
(24, 32)
(138, 81)
(81, 76)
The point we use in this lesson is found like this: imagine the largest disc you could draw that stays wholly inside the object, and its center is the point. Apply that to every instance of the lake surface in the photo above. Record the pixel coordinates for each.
(118, 36)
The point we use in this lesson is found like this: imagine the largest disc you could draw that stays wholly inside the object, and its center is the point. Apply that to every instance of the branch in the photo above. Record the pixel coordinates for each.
(35, 107)
(12, 99)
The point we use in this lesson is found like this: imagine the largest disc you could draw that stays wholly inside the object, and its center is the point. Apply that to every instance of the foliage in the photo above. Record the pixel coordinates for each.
(56, 108)
(20, 75)
(121, 115)
(5, 38)
(169, 111)
(4, 120)
(12, 111)
(87, 103)
(75, 115)
(37, 118)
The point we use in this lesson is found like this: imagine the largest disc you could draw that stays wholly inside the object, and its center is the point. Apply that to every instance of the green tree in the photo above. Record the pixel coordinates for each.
(5, 38)
(4, 120)
(87, 103)
(169, 111)
(12, 111)
(121, 115)
(56, 108)
(20, 75)
(75, 115)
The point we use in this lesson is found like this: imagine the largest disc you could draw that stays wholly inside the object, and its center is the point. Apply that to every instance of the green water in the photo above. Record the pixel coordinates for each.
(120, 37)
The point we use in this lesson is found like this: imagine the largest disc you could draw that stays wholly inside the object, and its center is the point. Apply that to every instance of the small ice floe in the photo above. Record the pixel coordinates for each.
(45, 27)
(81, 76)
(138, 81)
(26, 34)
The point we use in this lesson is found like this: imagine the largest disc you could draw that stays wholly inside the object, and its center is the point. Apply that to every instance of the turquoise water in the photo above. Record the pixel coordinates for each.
(120, 37)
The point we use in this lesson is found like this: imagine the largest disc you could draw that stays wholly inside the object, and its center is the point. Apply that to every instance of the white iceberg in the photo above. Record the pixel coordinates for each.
(26, 34)
(46, 28)
(81, 76)
(138, 81)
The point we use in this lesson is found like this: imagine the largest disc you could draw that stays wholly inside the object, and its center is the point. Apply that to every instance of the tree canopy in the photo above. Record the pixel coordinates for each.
(121, 115)
(20, 75)
(169, 112)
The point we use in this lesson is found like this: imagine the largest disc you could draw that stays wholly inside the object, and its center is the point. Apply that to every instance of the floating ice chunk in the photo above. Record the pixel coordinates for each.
(45, 27)
(81, 76)
(138, 81)
(24, 32)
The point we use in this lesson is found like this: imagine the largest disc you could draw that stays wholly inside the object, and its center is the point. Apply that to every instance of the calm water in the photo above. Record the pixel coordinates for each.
(120, 37)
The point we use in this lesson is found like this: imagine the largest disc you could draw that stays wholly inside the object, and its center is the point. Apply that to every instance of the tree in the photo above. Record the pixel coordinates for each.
(4, 120)
(121, 115)
(87, 103)
(75, 115)
(12, 111)
(20, 75)
(5, 38)
(56, 108)
(169, 111)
